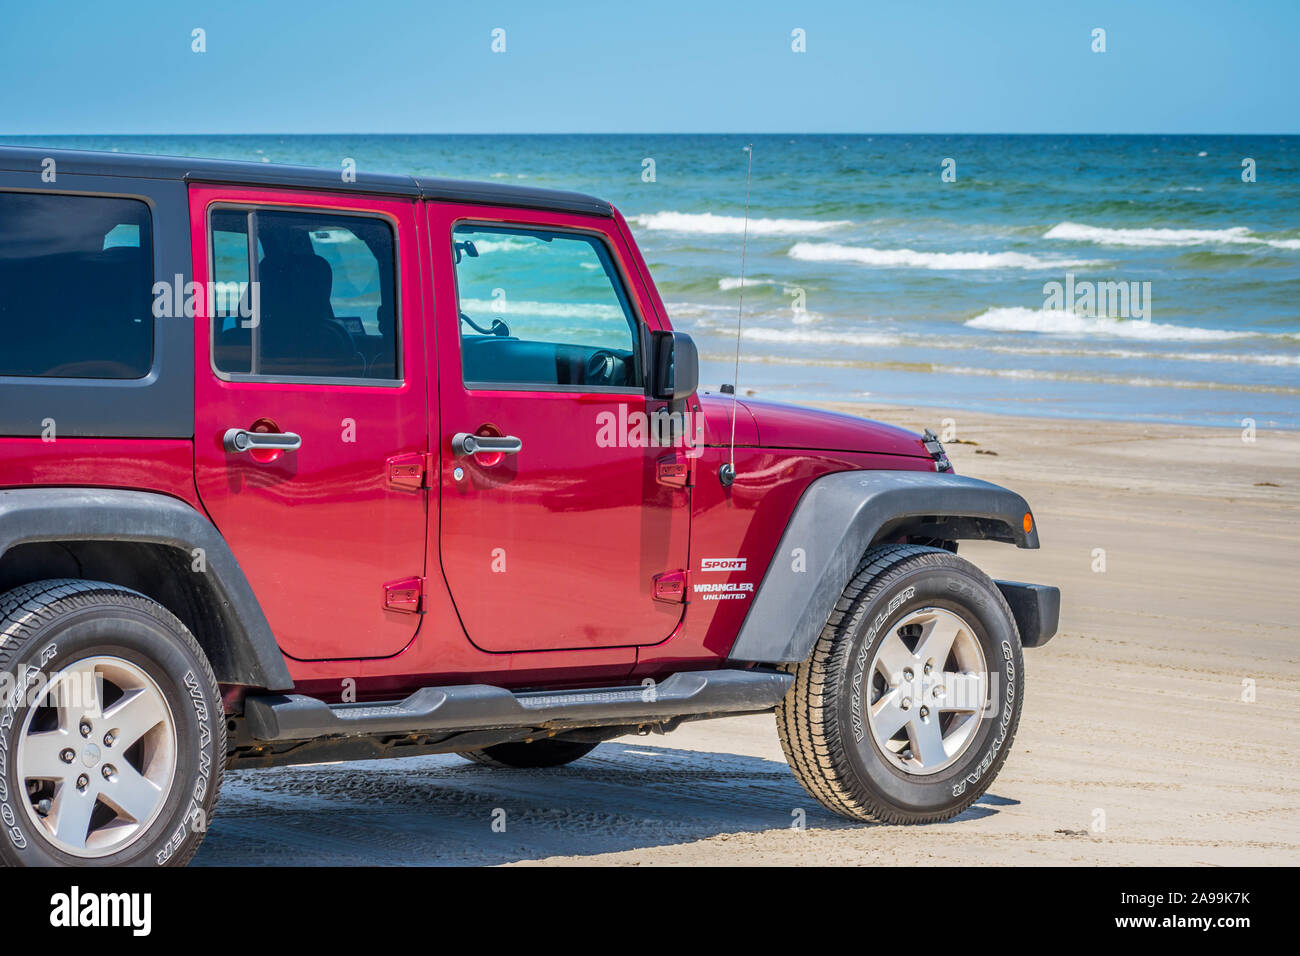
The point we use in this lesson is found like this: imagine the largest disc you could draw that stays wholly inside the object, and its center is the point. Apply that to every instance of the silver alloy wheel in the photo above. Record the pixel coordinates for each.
(928, 686)
(97, 755)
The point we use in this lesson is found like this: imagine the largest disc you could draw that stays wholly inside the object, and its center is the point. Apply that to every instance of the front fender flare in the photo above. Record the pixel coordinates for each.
(248, 652)
(836, 520)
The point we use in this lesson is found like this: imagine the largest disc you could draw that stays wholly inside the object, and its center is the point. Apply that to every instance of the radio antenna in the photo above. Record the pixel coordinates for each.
(727, 473)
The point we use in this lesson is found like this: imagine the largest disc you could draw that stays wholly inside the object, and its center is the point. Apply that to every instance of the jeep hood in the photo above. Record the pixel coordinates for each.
(776, 425)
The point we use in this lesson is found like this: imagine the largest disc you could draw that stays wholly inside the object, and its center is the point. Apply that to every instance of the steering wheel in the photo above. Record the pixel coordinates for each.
(600, 368)
(498, 327)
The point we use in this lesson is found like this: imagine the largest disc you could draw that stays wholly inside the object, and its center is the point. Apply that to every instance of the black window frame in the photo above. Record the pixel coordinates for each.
(151, 368)
(161, 404)
(623, 289)
(399, 331)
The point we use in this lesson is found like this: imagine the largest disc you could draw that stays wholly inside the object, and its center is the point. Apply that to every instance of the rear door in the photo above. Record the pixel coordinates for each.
(553, 533)
(311, 420)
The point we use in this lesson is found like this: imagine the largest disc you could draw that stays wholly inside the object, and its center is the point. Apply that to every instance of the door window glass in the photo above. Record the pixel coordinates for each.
(317, 300)
(543, 308)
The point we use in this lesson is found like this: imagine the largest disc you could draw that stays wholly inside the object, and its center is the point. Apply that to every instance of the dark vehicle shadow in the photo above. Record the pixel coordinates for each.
(442, 810)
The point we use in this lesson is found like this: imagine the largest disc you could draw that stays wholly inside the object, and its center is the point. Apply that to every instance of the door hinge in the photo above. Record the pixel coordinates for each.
(675, 471)
(670, 587)
(405, 596)
(409, 472)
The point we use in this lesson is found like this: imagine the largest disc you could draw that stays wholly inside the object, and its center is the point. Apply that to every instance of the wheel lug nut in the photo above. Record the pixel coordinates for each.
(928, 668)
(83, 782)
(108, 771)
(66, 755)
(906, 704)
(108, 739)
(925, 711)
(85, 728)
(939, 691)
(907, 673)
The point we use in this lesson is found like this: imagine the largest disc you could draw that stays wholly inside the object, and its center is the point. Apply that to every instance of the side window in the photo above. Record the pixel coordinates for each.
(543, 308)
(76, 287)
(313, 295)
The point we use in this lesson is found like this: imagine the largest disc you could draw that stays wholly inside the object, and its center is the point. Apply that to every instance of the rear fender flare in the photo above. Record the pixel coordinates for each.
(248, 653)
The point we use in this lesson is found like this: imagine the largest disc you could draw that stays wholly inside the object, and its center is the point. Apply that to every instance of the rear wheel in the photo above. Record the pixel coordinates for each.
(111, 727)
(908, 704)
(537, 753)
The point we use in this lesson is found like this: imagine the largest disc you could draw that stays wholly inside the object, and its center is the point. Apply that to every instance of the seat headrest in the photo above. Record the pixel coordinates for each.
(304, 279)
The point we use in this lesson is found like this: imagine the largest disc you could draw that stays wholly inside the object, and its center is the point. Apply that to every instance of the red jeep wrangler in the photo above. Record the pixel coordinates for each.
(298, 467)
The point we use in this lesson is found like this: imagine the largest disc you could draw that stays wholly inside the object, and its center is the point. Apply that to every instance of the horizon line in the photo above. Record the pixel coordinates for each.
(661, 133)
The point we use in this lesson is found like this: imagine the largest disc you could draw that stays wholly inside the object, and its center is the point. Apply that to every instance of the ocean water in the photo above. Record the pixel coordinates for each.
(870, 278)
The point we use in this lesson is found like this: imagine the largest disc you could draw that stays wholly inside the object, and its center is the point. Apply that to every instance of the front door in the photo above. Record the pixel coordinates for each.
(311, 420)
(556, 517)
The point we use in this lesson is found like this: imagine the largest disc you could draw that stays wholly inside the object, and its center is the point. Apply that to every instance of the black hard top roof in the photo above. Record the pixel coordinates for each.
(141, 166)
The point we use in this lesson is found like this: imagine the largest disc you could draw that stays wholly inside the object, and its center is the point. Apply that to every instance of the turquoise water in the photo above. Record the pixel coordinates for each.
(870, 278)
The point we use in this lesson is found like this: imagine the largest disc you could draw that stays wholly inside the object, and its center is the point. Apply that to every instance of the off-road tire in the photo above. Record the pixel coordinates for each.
(54, 626)
(822, 720)
(538, 753)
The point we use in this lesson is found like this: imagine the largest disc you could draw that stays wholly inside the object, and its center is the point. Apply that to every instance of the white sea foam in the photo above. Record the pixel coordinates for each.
(705, 311)
(562, 310)
(733, 282)
(1046, 375)
(1139, 381)
(913, 259)
(818, 337)
(1179, 354)
(482, 246)
(1059, 322)
(710, 224)
(829, 337)
(1101, 235)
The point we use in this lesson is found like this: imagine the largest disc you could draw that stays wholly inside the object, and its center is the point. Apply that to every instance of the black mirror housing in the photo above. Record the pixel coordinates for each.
(674, 365)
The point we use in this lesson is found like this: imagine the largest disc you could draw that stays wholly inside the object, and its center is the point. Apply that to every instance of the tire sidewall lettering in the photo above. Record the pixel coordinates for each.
(864, 654)
(1007, 710)
(185, 825)
(18, 696)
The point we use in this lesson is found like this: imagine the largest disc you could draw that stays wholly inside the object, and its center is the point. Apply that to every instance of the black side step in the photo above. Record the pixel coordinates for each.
(484, 707)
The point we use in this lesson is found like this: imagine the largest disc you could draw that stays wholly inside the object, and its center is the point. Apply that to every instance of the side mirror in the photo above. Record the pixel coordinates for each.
(674, 365)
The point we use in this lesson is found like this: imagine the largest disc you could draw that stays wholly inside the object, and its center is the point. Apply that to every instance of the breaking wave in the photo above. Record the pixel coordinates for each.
(913, 259)
(711, 224)
(1060, 322)
(1234, 235)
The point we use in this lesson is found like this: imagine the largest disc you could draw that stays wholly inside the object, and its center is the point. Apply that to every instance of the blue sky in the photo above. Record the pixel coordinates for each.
(307, 66)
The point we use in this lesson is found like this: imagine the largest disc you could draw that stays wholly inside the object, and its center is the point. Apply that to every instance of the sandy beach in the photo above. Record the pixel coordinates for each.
(1143, 741)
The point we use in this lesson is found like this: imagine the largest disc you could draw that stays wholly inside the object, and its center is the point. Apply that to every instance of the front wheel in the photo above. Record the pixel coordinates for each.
(908, 704)
(112, 733)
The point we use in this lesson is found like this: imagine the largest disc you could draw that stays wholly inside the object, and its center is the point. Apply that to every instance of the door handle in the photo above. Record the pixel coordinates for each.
(237, 440)
(463, 443)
